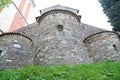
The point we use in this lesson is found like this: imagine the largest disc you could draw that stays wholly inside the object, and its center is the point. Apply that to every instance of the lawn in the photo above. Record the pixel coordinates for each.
(107, 70)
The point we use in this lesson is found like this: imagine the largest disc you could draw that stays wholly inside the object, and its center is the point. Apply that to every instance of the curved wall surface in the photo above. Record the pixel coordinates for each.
(15, 50)
(59, 41)
(103, 46)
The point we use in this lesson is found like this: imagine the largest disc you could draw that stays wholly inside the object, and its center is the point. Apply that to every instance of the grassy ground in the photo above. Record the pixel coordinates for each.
(96, 71)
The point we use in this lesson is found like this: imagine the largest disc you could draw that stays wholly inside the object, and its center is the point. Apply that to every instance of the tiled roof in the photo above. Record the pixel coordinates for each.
(118, 33)
(87, 29)
(29, 30)
(90, 30)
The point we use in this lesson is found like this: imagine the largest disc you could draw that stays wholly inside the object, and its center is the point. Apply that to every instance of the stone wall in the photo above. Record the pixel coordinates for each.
(103, 46)
(59, 41)
(58, 37)
(15, 50)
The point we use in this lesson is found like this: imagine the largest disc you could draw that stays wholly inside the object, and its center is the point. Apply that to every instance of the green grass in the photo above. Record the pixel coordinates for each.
(107, 70)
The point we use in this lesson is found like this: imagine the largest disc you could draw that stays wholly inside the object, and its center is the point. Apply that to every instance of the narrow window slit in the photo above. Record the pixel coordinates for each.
(60, 27)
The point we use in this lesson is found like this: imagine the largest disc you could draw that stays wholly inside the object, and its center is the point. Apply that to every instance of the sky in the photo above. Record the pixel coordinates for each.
(90, 10)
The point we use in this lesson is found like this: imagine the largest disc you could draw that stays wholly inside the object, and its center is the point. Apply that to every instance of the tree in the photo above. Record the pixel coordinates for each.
(4, 3)
(112, 9)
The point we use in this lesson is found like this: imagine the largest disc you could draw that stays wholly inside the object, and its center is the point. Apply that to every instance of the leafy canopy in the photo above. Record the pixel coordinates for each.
(4, 3)
(112, 9)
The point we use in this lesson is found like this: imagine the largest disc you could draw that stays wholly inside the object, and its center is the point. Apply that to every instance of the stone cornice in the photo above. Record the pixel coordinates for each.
(40, 18)
(100, 33)
(13, 33)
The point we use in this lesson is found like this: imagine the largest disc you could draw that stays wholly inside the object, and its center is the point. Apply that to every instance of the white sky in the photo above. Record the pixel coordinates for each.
(90, 10)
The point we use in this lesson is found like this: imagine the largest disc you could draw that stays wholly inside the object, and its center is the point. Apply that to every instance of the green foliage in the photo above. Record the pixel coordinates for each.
(96, 71)
(4, 3)
(112, 10)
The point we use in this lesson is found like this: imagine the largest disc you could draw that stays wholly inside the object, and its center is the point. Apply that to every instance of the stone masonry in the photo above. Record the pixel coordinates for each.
(58, 37)
(103, 46)
(15, 50)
